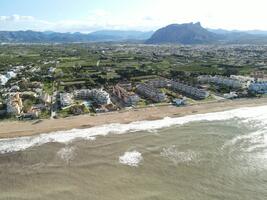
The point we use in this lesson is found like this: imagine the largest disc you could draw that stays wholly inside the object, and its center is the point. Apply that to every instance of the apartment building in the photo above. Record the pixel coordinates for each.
(150, 92)
(66, 99)
(222, 80)
(129, 98)
(99, 96)
(189, 90)
(14, 104)
(258, 88)
(180, 87)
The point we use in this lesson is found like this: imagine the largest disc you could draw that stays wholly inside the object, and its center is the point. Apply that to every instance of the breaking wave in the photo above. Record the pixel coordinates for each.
(66, 154)
(131, 159)
(252, 115)
(176, 156)
(251, 142)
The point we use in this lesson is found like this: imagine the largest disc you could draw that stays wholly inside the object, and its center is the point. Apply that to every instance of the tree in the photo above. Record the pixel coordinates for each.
(27, 105)
(230, 71)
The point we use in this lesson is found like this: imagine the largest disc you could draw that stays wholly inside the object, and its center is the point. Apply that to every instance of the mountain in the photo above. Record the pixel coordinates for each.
(39, 37)
(188, 33)
(191, 33)
(241, 37)
(122, 35)
(251, 32)
(50, 37)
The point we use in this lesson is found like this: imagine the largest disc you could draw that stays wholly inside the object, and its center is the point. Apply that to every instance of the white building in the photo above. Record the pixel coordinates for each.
(14, 104)
(3, 79)
(180, 87)
(189, 90)
(245, 80)
(66, 99)
(222, 80)
(230, 95)
(97, 95)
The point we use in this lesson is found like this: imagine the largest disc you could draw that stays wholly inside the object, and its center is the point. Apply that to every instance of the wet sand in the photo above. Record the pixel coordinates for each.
(11, 129)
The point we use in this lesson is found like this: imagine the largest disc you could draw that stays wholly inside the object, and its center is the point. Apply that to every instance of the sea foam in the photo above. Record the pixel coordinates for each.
(131, 159)
(66, 154)
(176, 156)
(254, 115)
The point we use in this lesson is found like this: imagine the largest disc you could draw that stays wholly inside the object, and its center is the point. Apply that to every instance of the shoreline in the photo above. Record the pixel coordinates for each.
(13, 129)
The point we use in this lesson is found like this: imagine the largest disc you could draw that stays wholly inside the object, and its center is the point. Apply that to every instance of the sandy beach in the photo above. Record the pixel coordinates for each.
(11, 129)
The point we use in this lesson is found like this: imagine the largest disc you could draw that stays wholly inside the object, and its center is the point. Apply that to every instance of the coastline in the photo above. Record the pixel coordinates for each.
(13, 129)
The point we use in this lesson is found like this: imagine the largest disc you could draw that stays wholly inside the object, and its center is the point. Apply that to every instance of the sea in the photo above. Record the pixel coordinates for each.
(209, 156)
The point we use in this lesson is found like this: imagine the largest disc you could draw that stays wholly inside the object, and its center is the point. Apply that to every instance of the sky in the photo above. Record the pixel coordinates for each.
(143, 15)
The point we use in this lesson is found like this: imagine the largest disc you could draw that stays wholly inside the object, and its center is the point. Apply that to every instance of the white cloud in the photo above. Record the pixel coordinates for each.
(229, 14)
(17, 22)
(16, 18)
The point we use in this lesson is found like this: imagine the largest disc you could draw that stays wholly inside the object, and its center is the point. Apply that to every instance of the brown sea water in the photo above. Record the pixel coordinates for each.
(215, 159)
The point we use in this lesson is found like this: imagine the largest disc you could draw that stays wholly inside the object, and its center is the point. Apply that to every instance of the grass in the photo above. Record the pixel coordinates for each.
(64, 113)
(48, 87)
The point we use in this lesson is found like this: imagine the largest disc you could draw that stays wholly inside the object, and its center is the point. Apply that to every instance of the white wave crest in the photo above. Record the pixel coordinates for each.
(176, 156)
(66, 154)
(131, 159)
(251, 114)
(249, 142)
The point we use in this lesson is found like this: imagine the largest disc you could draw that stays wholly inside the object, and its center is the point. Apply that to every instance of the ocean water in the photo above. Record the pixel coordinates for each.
(207, 156)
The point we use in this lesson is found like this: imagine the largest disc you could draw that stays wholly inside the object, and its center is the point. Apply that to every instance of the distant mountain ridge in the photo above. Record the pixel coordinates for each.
(188, 34)
(51, 37)
(223, 31)
(125, 35)
(194, 33)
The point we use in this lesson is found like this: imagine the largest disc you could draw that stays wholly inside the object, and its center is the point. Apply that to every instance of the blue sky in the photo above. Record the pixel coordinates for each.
(91, 15)
(67, 9)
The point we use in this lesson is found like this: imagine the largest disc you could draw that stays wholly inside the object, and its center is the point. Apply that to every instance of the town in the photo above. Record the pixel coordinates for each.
(40, 81)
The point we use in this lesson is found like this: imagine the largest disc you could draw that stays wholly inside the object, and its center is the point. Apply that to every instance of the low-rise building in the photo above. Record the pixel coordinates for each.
(29, 116)
(14, 88)
(179, 102)
(46, 98)
(3, 79)
(150, 92)
(14, 104)
(259, 76)
(230, 95)
(126, 86)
